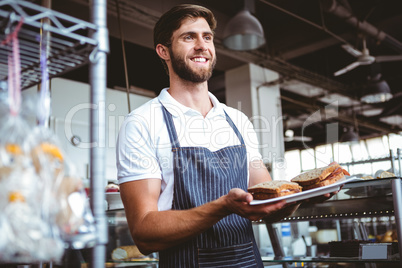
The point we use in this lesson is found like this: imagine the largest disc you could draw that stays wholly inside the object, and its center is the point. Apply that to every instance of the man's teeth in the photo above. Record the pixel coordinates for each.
(199, 59)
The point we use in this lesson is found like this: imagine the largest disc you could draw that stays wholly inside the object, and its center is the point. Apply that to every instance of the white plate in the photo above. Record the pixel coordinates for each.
(308, 193)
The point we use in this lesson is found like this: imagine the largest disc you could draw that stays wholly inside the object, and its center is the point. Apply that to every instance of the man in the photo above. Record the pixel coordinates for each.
(185, 160)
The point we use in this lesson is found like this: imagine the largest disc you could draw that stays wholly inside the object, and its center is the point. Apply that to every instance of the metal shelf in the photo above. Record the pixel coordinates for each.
(328, 260)
(366, 198)
(69, 46)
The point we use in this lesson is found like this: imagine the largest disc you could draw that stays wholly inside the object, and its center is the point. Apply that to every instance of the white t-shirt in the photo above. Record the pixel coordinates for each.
(144, 150)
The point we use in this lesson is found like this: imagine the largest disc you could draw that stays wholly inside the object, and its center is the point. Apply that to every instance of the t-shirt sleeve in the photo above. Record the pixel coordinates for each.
(135, 152)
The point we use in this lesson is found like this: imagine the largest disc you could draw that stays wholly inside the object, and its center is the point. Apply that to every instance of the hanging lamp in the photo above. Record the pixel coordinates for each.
(376, 90)
(350, 135)
(243, 32)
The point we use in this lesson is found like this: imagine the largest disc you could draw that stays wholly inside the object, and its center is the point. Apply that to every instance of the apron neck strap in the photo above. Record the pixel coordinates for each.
(234, 128)
(171, 129)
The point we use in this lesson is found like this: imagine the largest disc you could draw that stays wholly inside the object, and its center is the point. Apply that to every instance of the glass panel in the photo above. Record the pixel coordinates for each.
(361, 169)
(377, 148)
(395, 141)
(308, 161)
(323, 155)
(359, 151)
(386, 143)
(342, 153)
(293, 167)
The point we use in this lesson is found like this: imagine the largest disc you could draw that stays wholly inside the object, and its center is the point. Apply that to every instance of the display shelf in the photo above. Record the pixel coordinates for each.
(361, 199)
(69, 45)
(326, 260)
(366, 198)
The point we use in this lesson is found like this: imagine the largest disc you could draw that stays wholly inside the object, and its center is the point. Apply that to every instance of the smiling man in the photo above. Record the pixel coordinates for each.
(185, 160)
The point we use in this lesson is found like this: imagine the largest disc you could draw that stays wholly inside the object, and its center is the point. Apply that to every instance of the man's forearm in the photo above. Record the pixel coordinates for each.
(159, 230)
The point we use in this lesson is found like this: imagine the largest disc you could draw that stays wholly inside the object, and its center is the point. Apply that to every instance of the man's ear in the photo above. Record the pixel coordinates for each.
(163, 52)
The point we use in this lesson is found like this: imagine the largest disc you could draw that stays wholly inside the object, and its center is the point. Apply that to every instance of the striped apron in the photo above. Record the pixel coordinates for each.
(201, 176)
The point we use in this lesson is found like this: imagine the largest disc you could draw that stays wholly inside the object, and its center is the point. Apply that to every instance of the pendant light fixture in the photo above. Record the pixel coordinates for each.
(376, 90)
(349, 135)
(244, 31)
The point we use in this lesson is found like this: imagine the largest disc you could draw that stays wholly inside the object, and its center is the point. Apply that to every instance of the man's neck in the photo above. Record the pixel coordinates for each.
(192, 95)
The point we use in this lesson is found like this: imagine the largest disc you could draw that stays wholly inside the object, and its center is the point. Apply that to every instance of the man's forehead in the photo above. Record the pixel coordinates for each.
(198, 24)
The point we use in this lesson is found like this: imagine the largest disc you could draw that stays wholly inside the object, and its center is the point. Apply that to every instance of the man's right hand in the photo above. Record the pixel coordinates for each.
(238, 202)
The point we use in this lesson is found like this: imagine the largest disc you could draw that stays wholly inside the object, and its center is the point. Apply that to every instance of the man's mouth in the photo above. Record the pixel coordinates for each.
(199, 59)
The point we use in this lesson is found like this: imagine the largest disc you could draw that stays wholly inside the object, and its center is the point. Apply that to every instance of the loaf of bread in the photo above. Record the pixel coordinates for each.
(386, 174)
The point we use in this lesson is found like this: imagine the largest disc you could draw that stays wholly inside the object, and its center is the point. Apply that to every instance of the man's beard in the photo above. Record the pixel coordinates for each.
(184, 71)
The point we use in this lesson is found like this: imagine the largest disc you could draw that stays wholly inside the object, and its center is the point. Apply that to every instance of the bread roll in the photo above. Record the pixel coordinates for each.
(386, 174)
(126, 252)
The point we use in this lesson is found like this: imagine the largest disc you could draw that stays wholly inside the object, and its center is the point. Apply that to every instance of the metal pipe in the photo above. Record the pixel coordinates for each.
(398, 154)
(333, 7)
(98, 131)
(123, 49)
(397, 198)
(276, 242)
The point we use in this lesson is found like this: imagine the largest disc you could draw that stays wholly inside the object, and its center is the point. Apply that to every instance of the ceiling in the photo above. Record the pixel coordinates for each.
(304, 45)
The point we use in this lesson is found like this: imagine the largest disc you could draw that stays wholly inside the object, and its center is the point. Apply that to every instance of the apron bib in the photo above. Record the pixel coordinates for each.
(201, 176)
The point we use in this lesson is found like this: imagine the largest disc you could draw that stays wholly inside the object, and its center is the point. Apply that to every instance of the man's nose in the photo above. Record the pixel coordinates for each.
(200, 44)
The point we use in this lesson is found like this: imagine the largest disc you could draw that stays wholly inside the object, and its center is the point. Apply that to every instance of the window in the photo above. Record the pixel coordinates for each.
(362, 152)
(307, 159)
(377, 148)
(359, 151)
(395, 141)
(293, 167)
(342, 153)
(323, 155)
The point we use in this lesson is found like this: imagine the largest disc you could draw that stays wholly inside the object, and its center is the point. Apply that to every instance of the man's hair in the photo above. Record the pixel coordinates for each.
(172, 20)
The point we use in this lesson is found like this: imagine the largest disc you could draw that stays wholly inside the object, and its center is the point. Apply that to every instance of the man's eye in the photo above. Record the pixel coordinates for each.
(208, 38)
(188, 37)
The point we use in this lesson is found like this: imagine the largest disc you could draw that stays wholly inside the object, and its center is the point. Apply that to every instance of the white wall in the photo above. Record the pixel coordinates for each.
(70, 116)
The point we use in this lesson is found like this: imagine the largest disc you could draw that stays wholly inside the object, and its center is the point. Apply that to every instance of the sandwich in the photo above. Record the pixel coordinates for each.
(320, 177)
(272, 189)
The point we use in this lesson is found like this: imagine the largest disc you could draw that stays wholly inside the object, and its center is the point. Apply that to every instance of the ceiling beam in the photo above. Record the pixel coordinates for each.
(377, 126)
